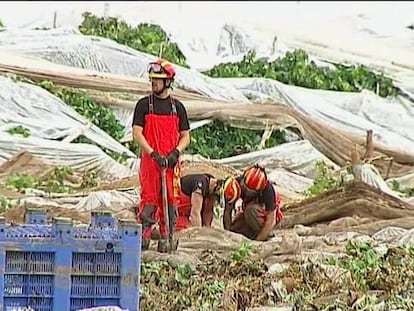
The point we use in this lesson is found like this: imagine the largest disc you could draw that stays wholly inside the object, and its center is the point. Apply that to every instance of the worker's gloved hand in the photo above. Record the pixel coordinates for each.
(173, 158)
(159, 159)
(279, 215)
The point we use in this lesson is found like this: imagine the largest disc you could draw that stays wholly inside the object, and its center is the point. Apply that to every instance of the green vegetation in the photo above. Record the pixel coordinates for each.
(147, 38)
(56, 182)
(325, 181)
(218, 140)
(5, 204)
(296, 69)
(359, 280)
(395, 185)
(20, 130)
(216, 283)
(99, 115)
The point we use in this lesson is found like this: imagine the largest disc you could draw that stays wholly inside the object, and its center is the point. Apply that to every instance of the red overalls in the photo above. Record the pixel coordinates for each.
(162, 134)
(184, 212)
(262, 212)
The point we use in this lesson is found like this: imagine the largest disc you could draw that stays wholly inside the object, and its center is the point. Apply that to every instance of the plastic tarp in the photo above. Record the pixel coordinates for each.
(69, 47)
(391, 121)
(298, 157)
(46, 116)
(108, 200)
(82, 157)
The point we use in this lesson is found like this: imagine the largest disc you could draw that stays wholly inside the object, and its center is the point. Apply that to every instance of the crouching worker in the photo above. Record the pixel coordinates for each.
(199, 193)
(260, 206)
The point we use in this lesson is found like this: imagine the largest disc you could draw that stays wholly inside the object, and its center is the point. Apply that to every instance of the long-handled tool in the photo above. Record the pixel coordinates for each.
(165, 205)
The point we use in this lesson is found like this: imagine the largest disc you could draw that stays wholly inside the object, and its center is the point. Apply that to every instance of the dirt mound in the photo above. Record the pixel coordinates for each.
(217, 170)
(348, 208)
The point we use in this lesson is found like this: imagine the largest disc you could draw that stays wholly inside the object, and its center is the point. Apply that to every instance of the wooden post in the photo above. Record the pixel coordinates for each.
(369, 147)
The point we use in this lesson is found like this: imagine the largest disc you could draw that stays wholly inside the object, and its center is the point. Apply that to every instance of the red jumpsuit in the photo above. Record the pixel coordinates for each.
(162, 134)
(184, 212)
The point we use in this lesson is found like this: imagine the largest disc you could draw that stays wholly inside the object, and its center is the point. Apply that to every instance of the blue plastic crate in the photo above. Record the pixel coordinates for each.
(59, 266)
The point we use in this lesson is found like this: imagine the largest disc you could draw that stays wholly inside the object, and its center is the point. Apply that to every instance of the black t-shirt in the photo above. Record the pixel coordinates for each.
(160, 107)
(192, 182)
(266, 197)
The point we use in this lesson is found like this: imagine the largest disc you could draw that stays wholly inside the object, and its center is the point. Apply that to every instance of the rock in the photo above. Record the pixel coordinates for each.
(381, 249)
(278, 268)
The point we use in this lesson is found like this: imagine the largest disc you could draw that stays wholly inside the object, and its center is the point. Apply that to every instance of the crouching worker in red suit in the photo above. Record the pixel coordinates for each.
(161, 128)
(199, 193)
(260, 206)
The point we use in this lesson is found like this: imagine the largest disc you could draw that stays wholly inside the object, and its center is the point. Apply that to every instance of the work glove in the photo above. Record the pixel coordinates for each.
(172, 158)
(279, 215)
(162, 162)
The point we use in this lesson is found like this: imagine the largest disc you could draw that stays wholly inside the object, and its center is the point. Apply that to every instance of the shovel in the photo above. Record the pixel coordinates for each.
(165, 208)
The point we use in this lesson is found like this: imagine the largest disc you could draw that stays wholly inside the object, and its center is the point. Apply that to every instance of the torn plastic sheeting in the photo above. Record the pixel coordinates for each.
(371, 176)
(407, 239)
(46, 116)
(365, 39)
(352, 112)
(298, 157)
(108, 200)
(406, 181)
(288, 180)
(67, 47)
(82, 157)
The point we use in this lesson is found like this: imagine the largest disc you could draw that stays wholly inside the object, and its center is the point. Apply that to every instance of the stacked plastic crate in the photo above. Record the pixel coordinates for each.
(59, 266)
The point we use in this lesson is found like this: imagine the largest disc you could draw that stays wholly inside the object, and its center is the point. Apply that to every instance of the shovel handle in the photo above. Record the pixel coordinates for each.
(165, 199)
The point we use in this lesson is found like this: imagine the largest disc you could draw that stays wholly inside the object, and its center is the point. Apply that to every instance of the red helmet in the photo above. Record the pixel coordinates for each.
(231, 190)
(255, 178)
(161, 69)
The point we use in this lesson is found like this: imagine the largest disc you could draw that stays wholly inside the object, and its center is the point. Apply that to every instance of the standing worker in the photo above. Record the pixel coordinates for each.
(260, 206)
(199, 193)
(161, 129)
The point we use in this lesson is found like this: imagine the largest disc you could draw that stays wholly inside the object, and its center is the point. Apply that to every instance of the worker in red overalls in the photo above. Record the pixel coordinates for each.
(199, 193)
(161, 128)
(260, 206)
